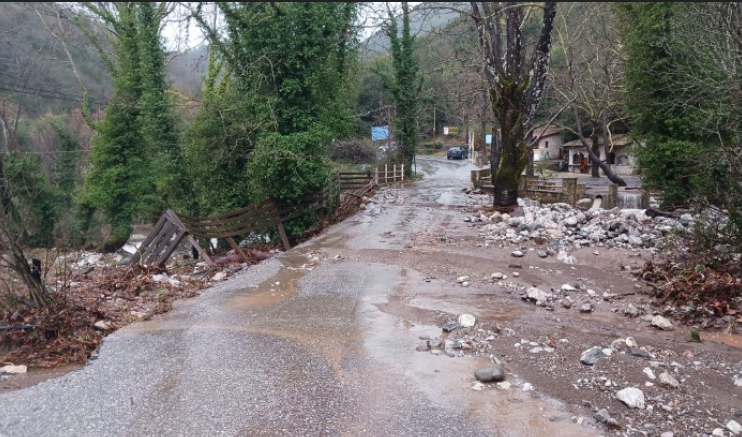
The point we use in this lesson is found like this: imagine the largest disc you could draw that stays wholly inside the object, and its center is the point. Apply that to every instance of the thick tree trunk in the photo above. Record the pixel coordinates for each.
(512, 151)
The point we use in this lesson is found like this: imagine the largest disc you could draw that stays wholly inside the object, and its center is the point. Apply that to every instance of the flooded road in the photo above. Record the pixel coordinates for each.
(319, 341)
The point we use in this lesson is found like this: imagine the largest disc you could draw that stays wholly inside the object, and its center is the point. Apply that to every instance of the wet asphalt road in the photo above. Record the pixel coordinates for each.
(291, 347)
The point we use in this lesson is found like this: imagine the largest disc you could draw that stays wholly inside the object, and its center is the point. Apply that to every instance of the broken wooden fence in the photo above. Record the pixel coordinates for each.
(171, 229)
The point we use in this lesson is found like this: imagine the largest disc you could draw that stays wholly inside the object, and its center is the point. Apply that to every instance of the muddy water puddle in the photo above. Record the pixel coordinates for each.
(281, 287)
(34, 377)
(733, 340)
(447, 382)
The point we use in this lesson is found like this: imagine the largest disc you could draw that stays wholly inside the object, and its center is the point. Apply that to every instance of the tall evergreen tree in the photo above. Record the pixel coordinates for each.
(405, 86)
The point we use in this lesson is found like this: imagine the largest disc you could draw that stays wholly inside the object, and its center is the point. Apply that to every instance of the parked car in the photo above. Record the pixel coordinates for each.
(457, 153)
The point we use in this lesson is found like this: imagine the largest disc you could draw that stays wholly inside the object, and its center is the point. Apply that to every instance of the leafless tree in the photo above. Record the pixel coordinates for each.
(591, 82)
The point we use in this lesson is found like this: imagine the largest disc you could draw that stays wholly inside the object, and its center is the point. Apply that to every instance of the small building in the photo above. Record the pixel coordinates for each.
(620, 158)
(549, 145)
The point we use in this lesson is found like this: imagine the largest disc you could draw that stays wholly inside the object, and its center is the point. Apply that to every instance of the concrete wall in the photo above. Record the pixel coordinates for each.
(551, 144)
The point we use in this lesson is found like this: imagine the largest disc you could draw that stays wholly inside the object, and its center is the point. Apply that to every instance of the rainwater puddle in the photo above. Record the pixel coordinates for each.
(276, 289)
(35, 376)
(447, 383)
(733, 340)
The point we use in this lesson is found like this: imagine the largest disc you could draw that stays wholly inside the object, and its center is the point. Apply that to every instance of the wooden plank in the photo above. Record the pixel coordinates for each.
(284, 238)
(162, 242)
(238, 250)
(259, 205)
(147, 241)
(200, 250)
(151, 247)
(162, 259)
(175, 219)
(240, 231)
(232, 229)
(353, 178)
(282, 231)
(246, 216)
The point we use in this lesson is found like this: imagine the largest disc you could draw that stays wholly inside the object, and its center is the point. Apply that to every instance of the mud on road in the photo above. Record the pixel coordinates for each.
(323, 341)
(422, 230)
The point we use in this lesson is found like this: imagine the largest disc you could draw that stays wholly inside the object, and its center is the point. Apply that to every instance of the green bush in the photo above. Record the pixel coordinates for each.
(287, 167)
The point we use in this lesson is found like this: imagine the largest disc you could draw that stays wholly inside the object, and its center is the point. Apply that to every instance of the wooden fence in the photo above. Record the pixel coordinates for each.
(171, 229)
(384, 176)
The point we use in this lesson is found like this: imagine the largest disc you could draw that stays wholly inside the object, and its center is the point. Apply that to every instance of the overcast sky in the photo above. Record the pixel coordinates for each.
(180, 37)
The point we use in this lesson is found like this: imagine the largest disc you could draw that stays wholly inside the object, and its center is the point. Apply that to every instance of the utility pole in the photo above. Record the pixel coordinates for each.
(433, 126)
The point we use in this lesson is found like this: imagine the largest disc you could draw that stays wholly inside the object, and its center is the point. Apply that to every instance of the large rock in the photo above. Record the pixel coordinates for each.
(631, 311)
(591, 356)
(734, 427)
(538, 295)
(514, 222)
(467, 320)
(632, 397)
(493, 373)
(605, 418)
(668, 381)
(570, 222)
(661, 323)
(584, 204)
(11, 369)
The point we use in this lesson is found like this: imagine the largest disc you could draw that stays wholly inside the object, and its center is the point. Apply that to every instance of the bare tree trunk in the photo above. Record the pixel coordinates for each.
(529, 166)
(613, 177)
(595, 168)
(606, 145)
(606, 169)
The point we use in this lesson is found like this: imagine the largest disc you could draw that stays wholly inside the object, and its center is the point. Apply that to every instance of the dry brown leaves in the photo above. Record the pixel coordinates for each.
(711, 292)
(65, 332)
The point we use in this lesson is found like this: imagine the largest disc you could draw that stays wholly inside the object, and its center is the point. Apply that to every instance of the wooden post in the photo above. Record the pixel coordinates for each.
(569, 190)
(281, 230)
(402, 172)
(386, 173)
(238, 250)
(433, 127)
(284, 238)
(394, 173)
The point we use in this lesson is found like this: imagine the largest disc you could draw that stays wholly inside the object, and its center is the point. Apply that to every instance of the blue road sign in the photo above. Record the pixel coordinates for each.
(379, 133)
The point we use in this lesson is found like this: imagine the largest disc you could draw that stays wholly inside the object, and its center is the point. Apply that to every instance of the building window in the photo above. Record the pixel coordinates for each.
(547, 144)
(576, 158)
(611, 158)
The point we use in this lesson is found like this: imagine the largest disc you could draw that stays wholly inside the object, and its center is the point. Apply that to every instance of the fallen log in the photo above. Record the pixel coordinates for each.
(654, 212)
